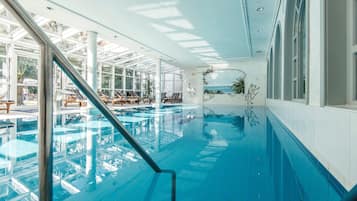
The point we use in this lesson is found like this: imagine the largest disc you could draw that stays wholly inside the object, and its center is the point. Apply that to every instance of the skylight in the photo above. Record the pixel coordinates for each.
(204, 49)
(162, 28)
(181, 23)
(199, 43)
(182, 36)
(160, 13)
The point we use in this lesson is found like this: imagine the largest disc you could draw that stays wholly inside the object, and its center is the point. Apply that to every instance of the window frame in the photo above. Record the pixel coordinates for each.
(352, 53)
(299, 84)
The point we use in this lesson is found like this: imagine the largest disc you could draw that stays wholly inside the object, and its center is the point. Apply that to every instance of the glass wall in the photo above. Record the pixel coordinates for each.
(295, 77)
(107, 80)
(4, 75)
(299, 71)
(27, 83)
(118, 70)
(118, 78)
(171, 83)
(129, 74)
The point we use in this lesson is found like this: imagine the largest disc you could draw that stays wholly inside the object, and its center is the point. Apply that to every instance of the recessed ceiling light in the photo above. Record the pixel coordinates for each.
(181, 23)
(163, 29)
(49, 8)
(183, 36)
(260, 9)
(198, 43)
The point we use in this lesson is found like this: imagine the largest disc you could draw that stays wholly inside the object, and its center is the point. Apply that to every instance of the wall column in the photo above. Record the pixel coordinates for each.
(92, 59)
(158, 84)
(12, 62)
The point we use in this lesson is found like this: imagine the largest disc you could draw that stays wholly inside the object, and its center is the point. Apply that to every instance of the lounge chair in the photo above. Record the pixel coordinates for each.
(175, 98)
(119, 98)
(106, 99)
(133, 98)
(7, 104)
(76, 97)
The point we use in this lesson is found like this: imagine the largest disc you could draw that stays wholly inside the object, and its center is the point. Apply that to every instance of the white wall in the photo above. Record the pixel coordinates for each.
(256, 74)
(328, 132)
(193, 79)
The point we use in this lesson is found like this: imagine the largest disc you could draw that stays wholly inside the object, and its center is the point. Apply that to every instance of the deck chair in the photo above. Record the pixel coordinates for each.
(133, 98)
(105, 98)
(119, 98)
(7, 104)
(75, 97)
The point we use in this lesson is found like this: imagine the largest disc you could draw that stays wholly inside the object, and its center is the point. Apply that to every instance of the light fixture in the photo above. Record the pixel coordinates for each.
(49, 8)
(260, 9)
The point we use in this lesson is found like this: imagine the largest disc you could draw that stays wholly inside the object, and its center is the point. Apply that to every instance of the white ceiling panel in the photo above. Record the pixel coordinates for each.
(187, 33)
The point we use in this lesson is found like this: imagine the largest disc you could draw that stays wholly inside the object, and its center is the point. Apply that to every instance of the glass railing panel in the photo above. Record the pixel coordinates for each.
(90, 154)
(18, 128)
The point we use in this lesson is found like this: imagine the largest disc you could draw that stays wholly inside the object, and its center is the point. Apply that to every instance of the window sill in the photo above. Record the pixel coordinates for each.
(349, 107)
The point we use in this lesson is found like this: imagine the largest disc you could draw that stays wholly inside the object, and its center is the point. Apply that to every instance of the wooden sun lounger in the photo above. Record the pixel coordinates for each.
(7, 104)
(119, 99)
(76, 97)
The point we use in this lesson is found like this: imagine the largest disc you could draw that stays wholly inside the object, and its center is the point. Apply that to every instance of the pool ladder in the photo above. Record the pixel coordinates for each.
(50, 54)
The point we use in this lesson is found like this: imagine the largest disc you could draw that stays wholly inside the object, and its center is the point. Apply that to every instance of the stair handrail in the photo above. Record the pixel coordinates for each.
(49, 54)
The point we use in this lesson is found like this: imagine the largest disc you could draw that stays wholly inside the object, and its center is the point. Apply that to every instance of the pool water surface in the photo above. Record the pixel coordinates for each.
(219, 153)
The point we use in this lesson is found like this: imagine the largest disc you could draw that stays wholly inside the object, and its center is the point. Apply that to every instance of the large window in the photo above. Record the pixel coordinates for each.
(299, 59)
(129, 79)
(270, 75)
(178, 83)
(118, 79)
(107, 79)
(138, 82)
(277, 64)
(27, 80)
(354, 50)
(4, 82)
(171, 83)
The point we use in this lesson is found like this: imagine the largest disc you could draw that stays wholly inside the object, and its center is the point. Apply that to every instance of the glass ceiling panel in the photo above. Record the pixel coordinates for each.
(72, 42)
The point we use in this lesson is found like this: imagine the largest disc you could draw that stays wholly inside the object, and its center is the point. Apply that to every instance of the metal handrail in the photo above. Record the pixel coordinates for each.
(49, 54)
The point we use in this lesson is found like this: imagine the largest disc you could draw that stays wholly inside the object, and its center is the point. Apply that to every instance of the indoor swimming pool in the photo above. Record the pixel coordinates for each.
(219, 153)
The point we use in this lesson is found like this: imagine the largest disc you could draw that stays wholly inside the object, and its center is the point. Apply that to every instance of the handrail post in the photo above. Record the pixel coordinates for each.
(45, 123)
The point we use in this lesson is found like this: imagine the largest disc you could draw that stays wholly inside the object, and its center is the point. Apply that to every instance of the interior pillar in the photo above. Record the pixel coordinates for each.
(158, 84)
(92, 59)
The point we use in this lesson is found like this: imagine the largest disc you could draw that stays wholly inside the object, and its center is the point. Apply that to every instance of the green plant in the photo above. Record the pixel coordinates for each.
(238, 86)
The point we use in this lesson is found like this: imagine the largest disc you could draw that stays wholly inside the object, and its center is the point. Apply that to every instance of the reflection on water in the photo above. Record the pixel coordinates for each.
(87, 149)
(260, 158)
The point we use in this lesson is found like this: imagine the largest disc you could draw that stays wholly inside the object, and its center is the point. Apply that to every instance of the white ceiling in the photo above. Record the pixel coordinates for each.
(186, 33)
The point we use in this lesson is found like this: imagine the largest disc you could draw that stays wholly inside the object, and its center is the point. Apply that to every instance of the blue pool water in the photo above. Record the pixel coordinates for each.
(219, 154)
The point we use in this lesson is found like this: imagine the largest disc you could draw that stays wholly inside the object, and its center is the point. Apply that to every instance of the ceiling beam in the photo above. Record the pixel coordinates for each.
(66, 34)
(21, 32)
(76, 48)
(130, 59)
(246, 22)
(117, 55)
